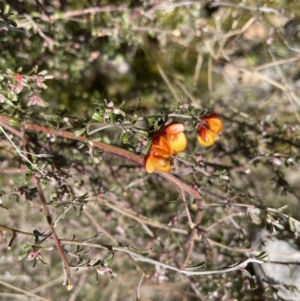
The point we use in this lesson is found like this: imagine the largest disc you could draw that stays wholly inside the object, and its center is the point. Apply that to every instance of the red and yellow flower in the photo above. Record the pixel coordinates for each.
(161, 146)
(174, 132)
(169, 141)
(209, 129)
(153, 161)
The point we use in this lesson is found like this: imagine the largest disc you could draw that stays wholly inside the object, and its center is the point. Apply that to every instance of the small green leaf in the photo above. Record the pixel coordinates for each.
(4, 207)
(12, 96)
(84, 196)
(109, 261)
(134, 118)
(83, 263)
(80, 132)
(122, 113)
(44, 72)
(50, 248)
(98, 117)
(139, 251)
(147, 147)
(262, 256)
(43, 184)
(292, 225)
(6, 10)
(10, 103)
(12, 23)
(174, 197)
(279, 226)
(111, 119)
(53, 196)
(27, 247)
(122, 104)
(150, 120)
(97, 278)
(44, 155)
(20, 257)
(125, 138)
(76, 211)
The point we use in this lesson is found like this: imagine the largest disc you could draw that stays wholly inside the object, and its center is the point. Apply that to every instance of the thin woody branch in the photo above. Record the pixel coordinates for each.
(68, 281)
(32, 127)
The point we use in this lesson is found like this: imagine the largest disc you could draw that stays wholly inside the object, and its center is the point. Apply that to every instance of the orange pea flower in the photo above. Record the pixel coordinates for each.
(206, 137)
(161, 146)
(209, 129)
(214, 123)
(176, 137)
(170, 140)
(153, 161)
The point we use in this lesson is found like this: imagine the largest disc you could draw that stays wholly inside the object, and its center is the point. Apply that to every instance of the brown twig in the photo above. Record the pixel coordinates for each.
(11, 129)
(100, 229)
(109, 148)
(140, 257)
(67, 271)
(67, 281)
(88, 11)
(27, 294)
(191, 239)
(186, 207)
(14, 231)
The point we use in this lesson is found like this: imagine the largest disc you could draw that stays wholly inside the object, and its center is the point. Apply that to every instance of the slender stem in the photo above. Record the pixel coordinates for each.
(142, 219)
(186, 207)
(12, 241)
(139, 287)
(66, 266)
(106, 147)
(243, 6)
(190, 250)
(35, 297)
(21, 153)
(139, 257)
(15, 231)
(100, 228)
(218, 222)
(11, 129)
(191, 239)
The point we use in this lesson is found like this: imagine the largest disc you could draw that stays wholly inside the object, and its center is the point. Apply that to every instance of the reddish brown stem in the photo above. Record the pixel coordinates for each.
(106, 147)
(68, 282)
(191, 239)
